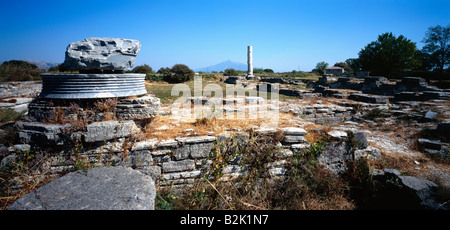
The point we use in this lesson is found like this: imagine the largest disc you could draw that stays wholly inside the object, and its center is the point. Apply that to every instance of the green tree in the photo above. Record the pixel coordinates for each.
(59, 68)
(437, 45)
(164, 71)
(143, 69)
(344, 65)
(426, 61)
(268, 70)
(389, 55)
(320, 67)
(354, 64)
(259, 71)
(180, 73)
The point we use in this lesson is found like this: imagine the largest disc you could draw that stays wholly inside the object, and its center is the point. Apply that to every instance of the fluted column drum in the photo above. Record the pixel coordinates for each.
(87, 86)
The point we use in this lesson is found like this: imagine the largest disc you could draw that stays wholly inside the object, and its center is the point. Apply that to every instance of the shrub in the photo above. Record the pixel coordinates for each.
(143, 69)
(60, 68)
(7, 115)
(307, 185)
(230, 72)
(376, 113)
(259, 71)
(344, 65)
(9, 136)
(180, 73)
(320, 67)
(296, 74)
(154, 77)
(364, 187)
(15, 70)
(164, 71)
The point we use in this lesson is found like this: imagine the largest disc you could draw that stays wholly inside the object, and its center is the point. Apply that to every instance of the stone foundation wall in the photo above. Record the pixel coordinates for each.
(176, 162)
(132, 108)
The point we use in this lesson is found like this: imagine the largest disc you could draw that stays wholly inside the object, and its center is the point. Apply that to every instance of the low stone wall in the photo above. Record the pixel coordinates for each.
(319, 113)
(20, 89)
(178, 161)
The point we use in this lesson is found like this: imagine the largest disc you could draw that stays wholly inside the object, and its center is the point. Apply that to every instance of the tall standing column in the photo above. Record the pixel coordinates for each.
(249, 62)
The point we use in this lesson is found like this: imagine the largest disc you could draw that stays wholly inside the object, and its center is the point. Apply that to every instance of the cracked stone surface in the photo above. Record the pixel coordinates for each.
(102, 54)
(103, 188)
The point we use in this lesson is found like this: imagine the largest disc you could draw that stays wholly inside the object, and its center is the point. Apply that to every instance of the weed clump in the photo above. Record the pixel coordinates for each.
(7, 115)
(377, 113)
(305, 185)
(179, 73)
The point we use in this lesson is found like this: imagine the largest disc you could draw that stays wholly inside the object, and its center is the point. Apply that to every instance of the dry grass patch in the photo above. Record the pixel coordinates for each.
(165, 127)
(19, 178)
(316, 132)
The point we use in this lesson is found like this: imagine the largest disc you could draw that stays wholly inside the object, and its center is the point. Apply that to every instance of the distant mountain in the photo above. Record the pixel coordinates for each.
(223, 66)
(42, 64)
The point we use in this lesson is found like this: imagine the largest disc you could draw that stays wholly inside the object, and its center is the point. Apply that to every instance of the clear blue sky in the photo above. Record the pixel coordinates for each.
(285, 34)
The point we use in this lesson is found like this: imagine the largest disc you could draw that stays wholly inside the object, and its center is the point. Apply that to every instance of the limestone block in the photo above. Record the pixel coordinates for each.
(177, 166)
(141, 158)
(430, 115)
(294, 139)
(335, 156)
(254, 100)
(145, 144)
(263, 131)
(201, 150)
(153, 171)
(103, 188)
(361, 140)
(196, 150)
(424, 189)
(182, 152)
(338, 134)
(300, 147)
(293, 131)
(144, 107)
(369, 98)
(370, 153)
(192, 140)
(167, 143)
(102, 54)
(108, 130)
(179, 175)
(430, 144)
(40, 133)
(161, 152)
(234, 171)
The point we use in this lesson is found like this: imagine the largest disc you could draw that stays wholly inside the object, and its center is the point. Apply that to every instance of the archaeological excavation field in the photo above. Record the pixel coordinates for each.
(248, 142)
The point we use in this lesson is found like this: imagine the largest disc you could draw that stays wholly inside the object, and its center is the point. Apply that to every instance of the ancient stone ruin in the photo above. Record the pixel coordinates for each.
(88, 101)
(102, 54)
(96, 118)
(250, 62)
